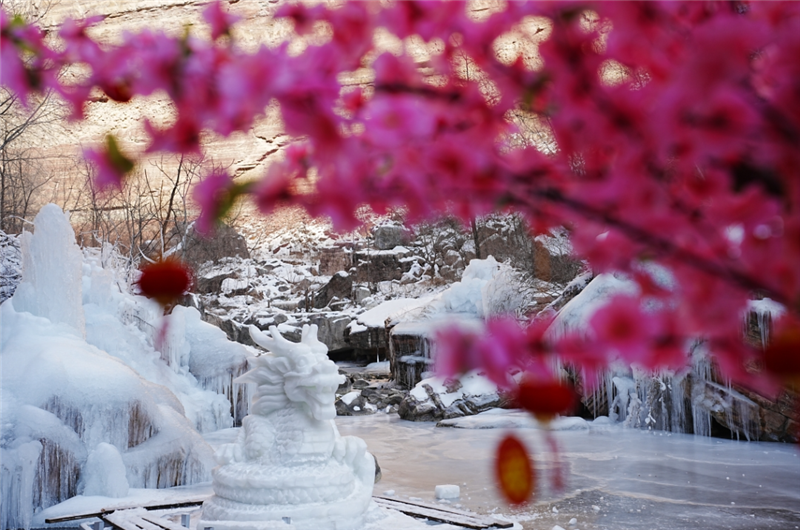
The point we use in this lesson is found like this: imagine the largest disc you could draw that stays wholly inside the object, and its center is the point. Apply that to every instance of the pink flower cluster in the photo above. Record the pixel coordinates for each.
(690, 159)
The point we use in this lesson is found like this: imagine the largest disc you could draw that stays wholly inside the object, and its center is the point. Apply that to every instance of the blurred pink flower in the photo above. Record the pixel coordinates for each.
(212, 194)
(219, 20)
(111, 165)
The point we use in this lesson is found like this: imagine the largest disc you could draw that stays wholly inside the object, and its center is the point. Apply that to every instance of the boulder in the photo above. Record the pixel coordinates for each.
(331, 329)
(432, 408)
(212, 283)
(389, 236)
(368, 343)
(360, 293)
(340, 286)
(333, 260)
(374, 267)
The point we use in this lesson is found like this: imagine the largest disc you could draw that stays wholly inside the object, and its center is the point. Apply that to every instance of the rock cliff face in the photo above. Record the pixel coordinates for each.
(246, 154)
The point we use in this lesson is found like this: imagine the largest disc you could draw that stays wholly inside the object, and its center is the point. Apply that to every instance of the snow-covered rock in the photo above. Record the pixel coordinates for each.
(434, 399)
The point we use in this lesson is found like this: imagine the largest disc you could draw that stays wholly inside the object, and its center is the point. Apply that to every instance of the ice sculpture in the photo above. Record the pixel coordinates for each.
(289, 464)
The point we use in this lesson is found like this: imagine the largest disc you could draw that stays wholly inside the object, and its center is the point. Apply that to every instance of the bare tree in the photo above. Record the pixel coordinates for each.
(25, 171)
(147, 219)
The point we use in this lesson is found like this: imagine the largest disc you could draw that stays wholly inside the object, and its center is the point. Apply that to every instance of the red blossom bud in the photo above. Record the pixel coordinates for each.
(545, 399)
(165, 281)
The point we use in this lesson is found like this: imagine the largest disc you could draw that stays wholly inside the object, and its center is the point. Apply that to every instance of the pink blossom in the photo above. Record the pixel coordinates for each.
(274, 190)
(182, 137)
(111, 165)
(698, 137)
(623, 327)
(18, 39)
(303, 17)
(213, 195)
(394, 120)
(496, 353)
(219, 20)
(428, 19)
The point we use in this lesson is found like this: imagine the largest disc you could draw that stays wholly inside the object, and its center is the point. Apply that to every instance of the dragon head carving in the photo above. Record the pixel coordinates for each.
(295, 372)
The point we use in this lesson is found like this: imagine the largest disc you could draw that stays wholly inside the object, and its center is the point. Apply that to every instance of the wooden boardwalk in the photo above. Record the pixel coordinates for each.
(143, 518)
(440, 513)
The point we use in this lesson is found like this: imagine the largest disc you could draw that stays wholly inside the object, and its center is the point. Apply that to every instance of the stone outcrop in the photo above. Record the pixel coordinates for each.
(375, 266)
(338, 288)
(334, 259)
(226, 242)
(371, 400)
(370, 342)
(779, 419)
(332, 329)
(389, 236)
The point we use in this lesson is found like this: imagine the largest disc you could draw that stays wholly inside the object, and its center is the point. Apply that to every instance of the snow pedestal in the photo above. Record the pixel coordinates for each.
(290, 465)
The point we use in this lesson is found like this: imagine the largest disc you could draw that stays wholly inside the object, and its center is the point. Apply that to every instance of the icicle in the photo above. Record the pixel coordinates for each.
(19, 471)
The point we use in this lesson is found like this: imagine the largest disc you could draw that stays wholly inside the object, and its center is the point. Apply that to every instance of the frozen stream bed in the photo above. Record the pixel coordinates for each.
(616, 478)
(637, 479)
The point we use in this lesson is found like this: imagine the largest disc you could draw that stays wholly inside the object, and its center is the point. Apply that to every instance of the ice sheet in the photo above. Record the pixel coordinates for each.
(638, 479)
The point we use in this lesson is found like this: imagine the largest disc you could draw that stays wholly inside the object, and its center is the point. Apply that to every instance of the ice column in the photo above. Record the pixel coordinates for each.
(52, 266)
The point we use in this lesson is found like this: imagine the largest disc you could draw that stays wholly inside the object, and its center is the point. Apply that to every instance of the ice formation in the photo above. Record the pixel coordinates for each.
(765, 311)
(467, 296)
(484, 290)
(88, 404)
(105, 472)
(56, 297)
(62, 398)
(289, 464)
(682, 402)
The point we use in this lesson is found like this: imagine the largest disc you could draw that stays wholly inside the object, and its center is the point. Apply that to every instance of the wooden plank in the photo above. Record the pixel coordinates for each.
(423, 504)
(162, 522)
(138, 519)
(195, 501)
(446, 515)
(121, 520)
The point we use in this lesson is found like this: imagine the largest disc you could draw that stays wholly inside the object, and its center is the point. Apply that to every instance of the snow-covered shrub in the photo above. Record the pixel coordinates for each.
(506, 293)
(10, 265)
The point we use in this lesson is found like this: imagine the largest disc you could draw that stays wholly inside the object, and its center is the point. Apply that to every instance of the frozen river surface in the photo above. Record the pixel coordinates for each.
(616, 478)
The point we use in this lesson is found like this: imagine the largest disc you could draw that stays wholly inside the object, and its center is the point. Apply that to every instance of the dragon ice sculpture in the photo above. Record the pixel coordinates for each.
(289, 464)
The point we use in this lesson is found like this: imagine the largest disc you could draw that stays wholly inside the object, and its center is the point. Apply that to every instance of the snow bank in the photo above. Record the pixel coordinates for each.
(467, 296)
(575, 315)
(395, 309)
(520, 419)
